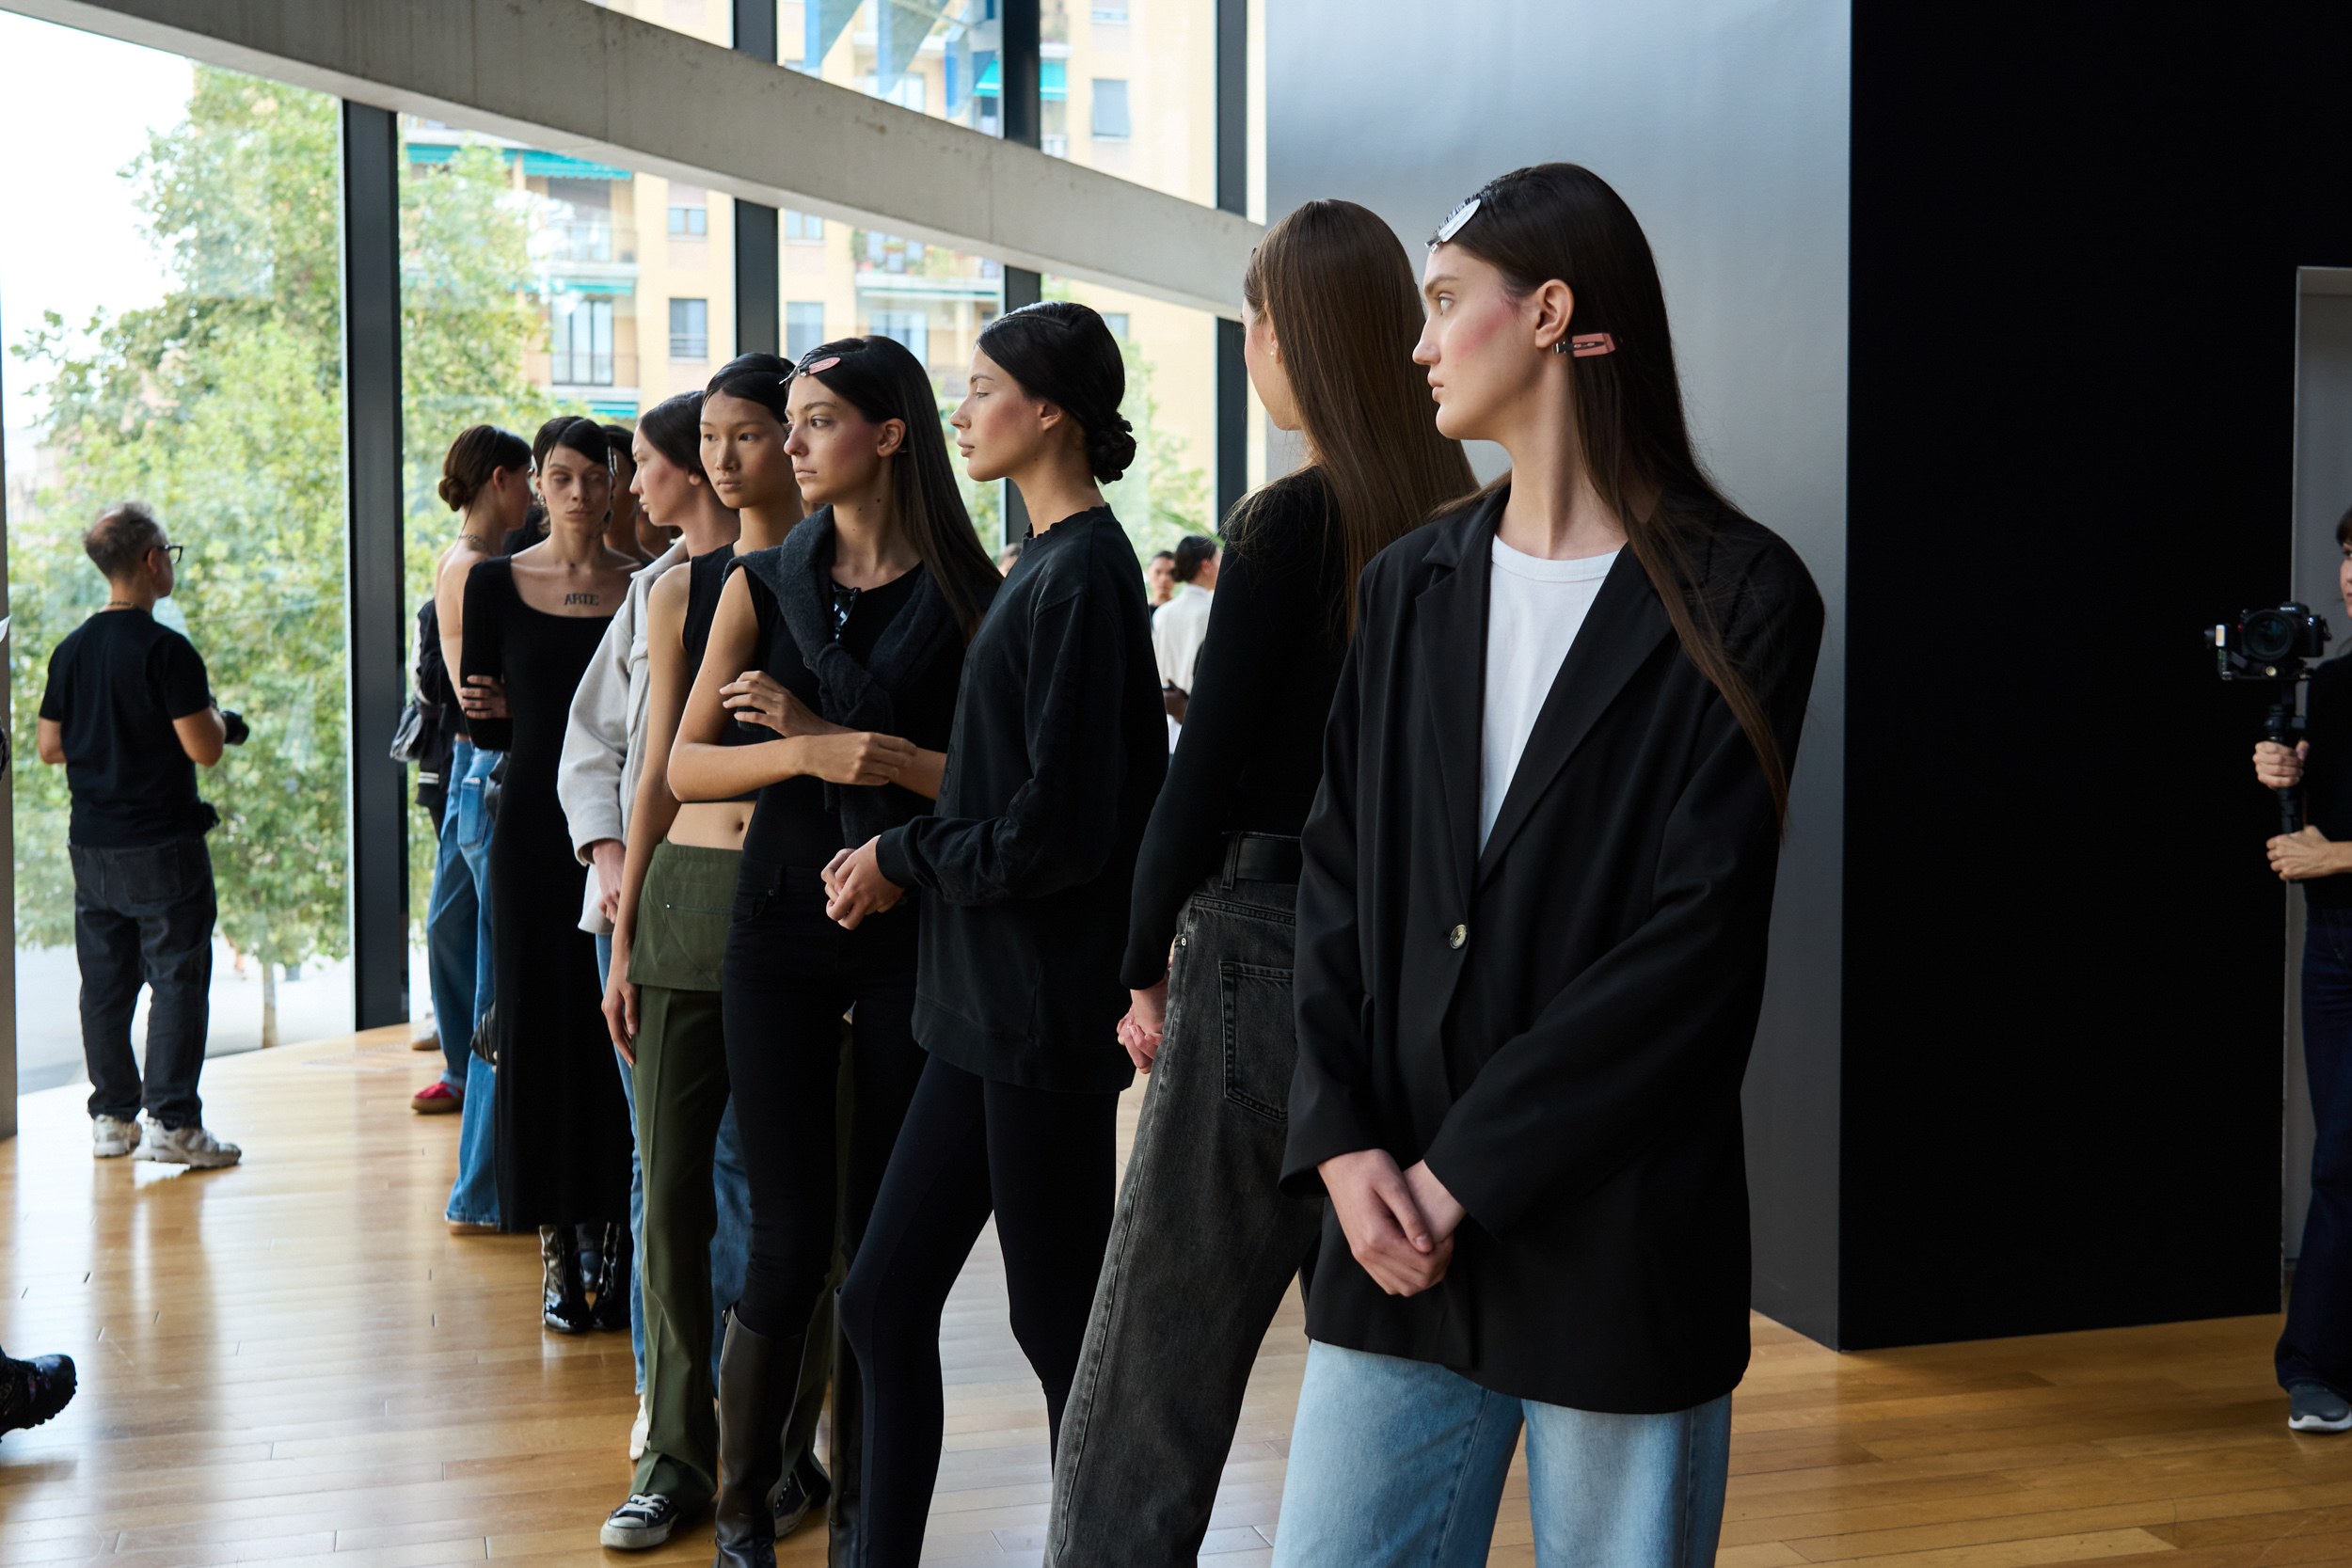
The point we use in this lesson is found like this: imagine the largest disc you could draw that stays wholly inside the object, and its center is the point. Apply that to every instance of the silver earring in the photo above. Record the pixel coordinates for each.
(1560, 347)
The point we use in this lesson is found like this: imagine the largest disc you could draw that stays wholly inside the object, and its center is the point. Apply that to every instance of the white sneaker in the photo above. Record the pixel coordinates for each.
(113, 1139)
(637, 1434)
(187, 1145)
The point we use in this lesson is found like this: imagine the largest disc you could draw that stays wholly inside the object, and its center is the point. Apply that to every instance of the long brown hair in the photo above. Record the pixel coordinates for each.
(1347, 311)
(1563, 221)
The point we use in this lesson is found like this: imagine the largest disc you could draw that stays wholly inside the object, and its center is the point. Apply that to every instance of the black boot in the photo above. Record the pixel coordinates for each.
(845, 1454)
(32, 1391)
(613, 1280)
(757, 1377)
(562, 1306)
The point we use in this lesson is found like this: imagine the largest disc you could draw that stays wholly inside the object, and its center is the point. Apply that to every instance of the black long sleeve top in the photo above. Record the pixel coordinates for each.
(1060, 743)
(1251, 752)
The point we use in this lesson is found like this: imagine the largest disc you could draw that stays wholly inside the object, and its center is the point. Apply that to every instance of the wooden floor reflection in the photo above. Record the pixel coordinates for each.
(292, 1362)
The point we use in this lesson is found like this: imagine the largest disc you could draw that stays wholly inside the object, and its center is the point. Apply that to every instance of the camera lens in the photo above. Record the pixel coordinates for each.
(2269, 635)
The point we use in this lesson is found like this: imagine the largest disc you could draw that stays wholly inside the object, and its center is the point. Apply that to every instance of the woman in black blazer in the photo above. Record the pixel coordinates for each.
(1531, 937)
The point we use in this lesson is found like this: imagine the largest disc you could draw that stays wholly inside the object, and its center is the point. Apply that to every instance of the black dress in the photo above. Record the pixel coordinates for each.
(562, 1125)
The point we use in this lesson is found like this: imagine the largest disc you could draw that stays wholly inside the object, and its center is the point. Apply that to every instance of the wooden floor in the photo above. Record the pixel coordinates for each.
(293, 1362)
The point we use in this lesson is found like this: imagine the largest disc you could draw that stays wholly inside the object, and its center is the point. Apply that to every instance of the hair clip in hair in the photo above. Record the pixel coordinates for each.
(820, 365)
(1586, 345)
(1462, 215)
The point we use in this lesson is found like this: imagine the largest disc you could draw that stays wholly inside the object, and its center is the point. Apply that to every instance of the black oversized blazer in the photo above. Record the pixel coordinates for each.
(1559, 1024)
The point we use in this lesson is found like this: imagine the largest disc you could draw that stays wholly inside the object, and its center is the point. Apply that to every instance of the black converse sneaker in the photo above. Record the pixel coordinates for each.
(645, 1520)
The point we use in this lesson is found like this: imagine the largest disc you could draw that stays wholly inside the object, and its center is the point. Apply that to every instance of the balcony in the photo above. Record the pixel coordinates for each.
(591, 241)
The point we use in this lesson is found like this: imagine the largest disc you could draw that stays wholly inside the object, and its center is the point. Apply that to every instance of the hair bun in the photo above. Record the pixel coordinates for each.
(1112, 449)
(453, 494)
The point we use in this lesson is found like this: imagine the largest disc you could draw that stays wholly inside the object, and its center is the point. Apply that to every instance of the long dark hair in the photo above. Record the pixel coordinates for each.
(673, 427)
(882, 380)
(1563, 221)
(1347, 311)
(1063, 353)
(478, 453)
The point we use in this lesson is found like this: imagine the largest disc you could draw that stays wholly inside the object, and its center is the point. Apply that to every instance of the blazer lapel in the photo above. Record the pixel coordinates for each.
(1621, 630)
(1450, 632)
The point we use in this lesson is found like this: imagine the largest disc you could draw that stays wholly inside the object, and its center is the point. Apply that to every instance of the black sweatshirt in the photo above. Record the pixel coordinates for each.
(1060, 743)
(1252, 754)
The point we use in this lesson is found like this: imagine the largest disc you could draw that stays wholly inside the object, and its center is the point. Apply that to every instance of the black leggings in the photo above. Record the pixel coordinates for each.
(789, 974)
(1044, 1162)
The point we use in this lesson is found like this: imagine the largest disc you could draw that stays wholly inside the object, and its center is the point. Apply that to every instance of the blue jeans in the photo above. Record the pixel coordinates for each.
(1401, 1462)
(730, 1243)
(2317, 1344)
(474, 1199)
(453, 929)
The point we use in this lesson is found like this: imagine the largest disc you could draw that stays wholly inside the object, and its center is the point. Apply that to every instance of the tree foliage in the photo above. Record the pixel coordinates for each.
(222, 407)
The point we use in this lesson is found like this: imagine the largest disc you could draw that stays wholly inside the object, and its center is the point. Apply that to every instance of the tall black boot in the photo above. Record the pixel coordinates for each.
(562, 1306)
(612, 1292)
(757, 1377)
(845, 1454)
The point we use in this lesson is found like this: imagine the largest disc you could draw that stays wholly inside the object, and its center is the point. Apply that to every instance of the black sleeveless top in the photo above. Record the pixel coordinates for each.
(793, 825)
(706, 579)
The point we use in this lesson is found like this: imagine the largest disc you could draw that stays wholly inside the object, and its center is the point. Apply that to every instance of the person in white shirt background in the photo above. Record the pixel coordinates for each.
(1181, 625)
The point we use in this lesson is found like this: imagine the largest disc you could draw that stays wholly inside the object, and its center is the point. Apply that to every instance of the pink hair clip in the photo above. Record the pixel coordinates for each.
(1590, 343)
(820, 365)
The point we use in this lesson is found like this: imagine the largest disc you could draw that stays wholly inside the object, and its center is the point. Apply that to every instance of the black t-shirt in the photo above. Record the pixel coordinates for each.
(115, 684)
(2327, 779)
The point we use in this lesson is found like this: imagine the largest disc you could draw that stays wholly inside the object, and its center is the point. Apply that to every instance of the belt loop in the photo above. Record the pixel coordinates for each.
(1232, 859)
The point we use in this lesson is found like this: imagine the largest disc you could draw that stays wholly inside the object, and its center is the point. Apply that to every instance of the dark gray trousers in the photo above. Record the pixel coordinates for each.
(144, 916)
(1202, 1246)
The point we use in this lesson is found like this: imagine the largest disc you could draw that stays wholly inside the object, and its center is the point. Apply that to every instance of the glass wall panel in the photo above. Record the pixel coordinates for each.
(183, 348)
(1171, 401)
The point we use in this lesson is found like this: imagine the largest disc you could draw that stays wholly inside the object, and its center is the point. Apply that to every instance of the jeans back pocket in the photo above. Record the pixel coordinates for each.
(1260, 1038)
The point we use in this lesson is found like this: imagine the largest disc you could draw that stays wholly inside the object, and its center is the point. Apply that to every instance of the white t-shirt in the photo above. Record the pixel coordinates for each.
(1537, 609)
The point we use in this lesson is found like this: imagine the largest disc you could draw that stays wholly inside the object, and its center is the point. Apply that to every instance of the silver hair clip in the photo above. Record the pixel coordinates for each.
(1462, 215)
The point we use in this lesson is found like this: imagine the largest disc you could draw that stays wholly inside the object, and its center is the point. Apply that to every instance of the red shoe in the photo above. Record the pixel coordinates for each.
(437, 1100)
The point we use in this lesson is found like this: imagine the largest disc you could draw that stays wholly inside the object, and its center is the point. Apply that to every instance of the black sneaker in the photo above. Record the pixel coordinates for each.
(802, 1491)
(645, 1520)
(2316, 1407)
(32, 1391)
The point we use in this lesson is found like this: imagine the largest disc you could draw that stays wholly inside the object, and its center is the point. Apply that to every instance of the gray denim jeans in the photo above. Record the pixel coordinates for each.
(1202, 1246)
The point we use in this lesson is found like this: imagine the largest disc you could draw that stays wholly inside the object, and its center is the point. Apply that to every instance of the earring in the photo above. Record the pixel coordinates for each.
(1560, 347)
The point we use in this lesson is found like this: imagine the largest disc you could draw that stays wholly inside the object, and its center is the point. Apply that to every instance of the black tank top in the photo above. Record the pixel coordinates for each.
(706, 579)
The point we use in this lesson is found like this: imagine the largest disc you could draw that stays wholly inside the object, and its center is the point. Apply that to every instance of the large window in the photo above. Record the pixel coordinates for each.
(185, 349)
(804, 328)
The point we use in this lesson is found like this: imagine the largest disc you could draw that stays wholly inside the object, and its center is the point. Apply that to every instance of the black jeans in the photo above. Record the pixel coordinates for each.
(2317, 1344)
(1203, 1247)
(790, 975)
(144, 916)
(1043, 1163)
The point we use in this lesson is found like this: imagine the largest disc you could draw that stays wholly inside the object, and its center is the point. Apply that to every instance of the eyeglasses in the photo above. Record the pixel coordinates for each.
(172, 551)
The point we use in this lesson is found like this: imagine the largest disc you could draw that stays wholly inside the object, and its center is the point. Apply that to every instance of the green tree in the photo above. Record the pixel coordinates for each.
(222, 406)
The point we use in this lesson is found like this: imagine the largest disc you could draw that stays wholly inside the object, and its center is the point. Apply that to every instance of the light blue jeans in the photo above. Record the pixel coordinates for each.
(730, 1242)
(452, 931)
(474, 1199)
(1396, 1461)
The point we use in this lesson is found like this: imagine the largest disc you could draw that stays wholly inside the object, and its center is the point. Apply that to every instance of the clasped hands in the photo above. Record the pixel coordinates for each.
(831, 753)
(2300, 856)
(1400, 1225)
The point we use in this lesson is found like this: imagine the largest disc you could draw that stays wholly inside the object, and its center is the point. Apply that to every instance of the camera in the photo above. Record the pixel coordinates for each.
(2270, 644)
(2274, 645)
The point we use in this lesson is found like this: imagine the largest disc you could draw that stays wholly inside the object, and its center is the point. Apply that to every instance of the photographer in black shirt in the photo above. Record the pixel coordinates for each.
(127, 711)
(2314, 1356)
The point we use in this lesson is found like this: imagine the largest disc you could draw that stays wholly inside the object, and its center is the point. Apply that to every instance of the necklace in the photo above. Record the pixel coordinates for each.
(120, 604)
(479, 544)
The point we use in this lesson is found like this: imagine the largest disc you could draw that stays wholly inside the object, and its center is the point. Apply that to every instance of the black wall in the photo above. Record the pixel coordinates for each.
(2074, 240)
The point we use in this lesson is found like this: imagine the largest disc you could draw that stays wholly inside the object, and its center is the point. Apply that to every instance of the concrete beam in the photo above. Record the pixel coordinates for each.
(574, 77)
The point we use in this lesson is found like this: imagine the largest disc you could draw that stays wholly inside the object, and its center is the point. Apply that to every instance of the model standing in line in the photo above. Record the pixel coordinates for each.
(620, 730)
(1519, 1085)
(1060, 746)
(533, 623)
(486, 479)
(1204, 1243)
(661, 998)
(847, 644)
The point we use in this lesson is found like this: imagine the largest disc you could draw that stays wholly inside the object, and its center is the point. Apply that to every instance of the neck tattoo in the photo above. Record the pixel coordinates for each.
(582, 598)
